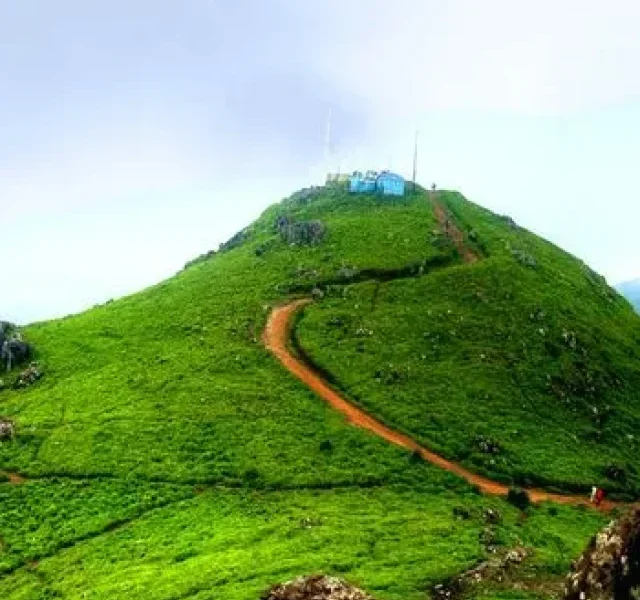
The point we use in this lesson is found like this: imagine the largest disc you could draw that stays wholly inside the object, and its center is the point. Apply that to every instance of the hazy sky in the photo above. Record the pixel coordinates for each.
(137, 135)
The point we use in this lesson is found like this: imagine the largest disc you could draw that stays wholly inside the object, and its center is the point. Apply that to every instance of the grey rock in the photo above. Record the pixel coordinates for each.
(304, 233)
(29, 376)
(7, 429)
(609, 569)
(315, 587)
(524, 258)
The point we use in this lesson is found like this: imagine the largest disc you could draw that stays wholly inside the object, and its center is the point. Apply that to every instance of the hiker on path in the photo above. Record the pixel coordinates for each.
(592, 498)
(599, 497)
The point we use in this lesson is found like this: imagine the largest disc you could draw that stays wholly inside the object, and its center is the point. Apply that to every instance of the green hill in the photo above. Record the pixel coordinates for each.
(168, 455)
(525, 366)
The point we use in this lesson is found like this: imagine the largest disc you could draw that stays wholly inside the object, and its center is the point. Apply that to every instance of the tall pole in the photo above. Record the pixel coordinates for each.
(327, 143)
(415, 161)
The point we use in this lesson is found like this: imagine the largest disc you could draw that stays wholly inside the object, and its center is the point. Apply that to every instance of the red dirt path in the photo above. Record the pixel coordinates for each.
(276, 336)
(452, 231)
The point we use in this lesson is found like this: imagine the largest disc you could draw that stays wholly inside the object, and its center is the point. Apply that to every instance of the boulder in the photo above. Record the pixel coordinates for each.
(524, 258)
(347, 272)
(14, 352)
(609, 569)
(316, 587)
(304, 233)
(7, 429)
(29, 376)
(495, 569)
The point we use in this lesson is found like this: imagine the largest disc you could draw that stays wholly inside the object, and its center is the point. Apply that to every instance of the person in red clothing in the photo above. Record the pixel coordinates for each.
(599, 497)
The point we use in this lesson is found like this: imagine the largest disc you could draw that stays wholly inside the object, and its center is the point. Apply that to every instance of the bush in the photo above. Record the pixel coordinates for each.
(519, 498)
(326, 446)
(415, 457)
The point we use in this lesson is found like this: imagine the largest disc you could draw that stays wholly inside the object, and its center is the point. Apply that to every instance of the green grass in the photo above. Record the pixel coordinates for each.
(395, 542)
(544, 361)
(41, 517)
(152, 397)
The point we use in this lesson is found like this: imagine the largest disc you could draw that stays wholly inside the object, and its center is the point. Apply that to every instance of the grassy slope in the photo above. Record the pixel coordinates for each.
(542, 360)
(159, 395)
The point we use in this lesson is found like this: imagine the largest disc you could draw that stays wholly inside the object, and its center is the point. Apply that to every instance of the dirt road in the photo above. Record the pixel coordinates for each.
(452, 231)
(275, 338)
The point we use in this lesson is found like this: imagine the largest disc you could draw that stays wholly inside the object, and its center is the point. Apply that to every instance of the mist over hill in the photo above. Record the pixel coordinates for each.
(631, 290)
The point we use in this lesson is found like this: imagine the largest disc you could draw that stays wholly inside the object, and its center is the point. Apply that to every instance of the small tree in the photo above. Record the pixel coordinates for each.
(519, 498)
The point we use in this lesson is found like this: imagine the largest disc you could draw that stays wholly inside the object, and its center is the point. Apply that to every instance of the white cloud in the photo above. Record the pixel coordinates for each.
(546, 57)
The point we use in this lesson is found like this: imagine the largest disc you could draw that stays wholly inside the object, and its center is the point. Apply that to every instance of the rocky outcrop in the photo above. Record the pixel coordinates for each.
(7, 429)
(609, 569)
(13, 350)
(28, 377)
(303, 233)
(316, 587)
(496, 569)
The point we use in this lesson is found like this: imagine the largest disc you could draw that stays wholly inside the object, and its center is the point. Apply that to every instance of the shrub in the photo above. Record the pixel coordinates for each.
(615, 473)
(326, 445)
(415, 457)
(462, 512)
(519, 498)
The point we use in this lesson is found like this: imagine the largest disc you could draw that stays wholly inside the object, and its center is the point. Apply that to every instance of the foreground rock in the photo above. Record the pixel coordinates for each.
(303, 233)
(7, 429)
(28, 377)
(13, 351)
(496, 569)
(609, 569)
(316, 587)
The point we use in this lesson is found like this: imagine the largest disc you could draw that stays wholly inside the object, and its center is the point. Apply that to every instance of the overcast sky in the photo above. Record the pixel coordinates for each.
(137, 135)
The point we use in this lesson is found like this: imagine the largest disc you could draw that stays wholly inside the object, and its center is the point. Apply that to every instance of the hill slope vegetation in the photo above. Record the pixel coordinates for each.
(523, 365)
(166, 454)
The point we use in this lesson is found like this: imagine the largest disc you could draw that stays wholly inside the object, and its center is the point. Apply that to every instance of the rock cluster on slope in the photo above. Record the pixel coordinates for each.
(495, 569)
(316, 587)
(29, 376)
(300, 232)
(609, 569)
(7, 429)
(13, 350)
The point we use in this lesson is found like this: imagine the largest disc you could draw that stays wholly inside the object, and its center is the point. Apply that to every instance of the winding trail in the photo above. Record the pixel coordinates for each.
(276, 337)
(452, 231)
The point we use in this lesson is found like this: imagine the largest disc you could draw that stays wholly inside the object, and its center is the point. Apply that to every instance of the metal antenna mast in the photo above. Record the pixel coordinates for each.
(415, 161)
(327, 143)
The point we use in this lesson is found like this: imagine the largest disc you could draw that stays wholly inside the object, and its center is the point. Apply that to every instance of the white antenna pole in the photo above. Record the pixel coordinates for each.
(327, 143)
(415, 160)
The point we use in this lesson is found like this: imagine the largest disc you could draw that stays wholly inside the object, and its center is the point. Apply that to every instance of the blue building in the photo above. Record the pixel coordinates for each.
(390, 184)
(385, 182)
(359, 183)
